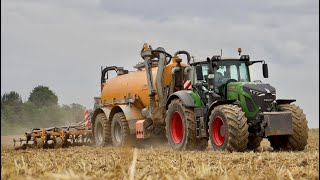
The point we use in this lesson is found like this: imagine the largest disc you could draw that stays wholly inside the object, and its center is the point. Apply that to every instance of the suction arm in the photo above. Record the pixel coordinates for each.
(184, 52)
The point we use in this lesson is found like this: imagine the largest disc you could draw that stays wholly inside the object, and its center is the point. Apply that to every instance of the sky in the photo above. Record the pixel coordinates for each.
(63, 43)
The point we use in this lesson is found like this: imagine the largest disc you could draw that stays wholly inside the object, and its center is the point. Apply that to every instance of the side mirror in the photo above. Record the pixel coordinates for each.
(199, 73)
(265, 70)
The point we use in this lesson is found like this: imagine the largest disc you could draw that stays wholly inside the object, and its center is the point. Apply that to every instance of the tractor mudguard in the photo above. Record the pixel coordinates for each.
(217, 103)
(185, 97)
(285, 101)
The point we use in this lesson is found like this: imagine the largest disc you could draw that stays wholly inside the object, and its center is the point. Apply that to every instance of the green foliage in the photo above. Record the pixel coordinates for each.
(18, 117)
(43, 96)
(11, 98)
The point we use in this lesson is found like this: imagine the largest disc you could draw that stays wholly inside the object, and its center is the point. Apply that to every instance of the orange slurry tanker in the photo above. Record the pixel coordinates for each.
(133, 105)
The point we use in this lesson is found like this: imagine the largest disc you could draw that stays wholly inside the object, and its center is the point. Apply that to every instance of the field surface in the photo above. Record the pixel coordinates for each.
(153, 162)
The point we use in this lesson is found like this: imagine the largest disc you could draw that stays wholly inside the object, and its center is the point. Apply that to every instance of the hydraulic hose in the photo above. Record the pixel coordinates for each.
(186, 53)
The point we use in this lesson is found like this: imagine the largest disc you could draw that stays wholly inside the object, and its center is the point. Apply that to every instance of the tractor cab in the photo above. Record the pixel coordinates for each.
(224, 71)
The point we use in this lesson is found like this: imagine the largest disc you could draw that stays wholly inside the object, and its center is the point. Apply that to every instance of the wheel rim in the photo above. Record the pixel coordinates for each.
(117, 132)
(99, 132)
(218, 131)
(176, 127)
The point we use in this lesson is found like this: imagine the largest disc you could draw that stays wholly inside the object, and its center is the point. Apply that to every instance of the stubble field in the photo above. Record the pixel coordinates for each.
(157, 162)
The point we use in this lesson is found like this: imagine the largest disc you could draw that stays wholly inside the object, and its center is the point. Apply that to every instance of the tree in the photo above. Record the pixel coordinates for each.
(43, 96)
(11, 98)
(72, 113)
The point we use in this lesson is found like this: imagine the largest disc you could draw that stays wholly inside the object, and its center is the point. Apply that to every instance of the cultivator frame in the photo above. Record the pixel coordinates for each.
(58, 137)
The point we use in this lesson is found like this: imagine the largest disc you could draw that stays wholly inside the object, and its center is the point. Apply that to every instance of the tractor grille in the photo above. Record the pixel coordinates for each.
(264, 102)
(262, 95)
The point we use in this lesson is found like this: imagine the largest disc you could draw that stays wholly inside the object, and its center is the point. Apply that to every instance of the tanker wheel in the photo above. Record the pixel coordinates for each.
(38, 143)
(58, 143)
(254, 142)
(102, 130)
(298, 140)
(228, 128)
(120, 131)
(180, 126)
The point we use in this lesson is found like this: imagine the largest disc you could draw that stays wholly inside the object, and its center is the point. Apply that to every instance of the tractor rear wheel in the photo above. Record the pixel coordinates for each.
(298, 140)
(180, 126)
(228, 128)
(120, 131)
(102, 130)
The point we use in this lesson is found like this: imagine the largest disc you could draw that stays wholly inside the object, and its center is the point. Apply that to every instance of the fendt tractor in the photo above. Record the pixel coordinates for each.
(190, 103)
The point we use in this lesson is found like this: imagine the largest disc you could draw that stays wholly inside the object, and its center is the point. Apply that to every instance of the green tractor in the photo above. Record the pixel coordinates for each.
(225, 106)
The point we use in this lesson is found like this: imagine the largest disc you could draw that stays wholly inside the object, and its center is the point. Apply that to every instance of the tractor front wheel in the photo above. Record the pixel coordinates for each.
(298, 140)
(228, 128)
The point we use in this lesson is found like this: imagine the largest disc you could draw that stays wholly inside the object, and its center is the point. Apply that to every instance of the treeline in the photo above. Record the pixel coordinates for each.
(41, 110)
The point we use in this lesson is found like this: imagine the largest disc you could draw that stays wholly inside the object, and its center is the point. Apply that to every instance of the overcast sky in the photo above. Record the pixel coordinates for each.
(63, 43)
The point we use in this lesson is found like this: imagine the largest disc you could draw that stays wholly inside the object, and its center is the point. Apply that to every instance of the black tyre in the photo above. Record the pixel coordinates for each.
(228, 128)
(298, 140)
(58, 142)
(120, 131)
(38, 143)
(180, 126)
(254, 142)
(102, 130)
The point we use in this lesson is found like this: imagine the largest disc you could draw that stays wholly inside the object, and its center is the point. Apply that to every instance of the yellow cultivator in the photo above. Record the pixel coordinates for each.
(58, 137)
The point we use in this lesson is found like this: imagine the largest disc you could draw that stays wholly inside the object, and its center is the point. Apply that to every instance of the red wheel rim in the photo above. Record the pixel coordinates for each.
(217, 128)
(176, 127)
